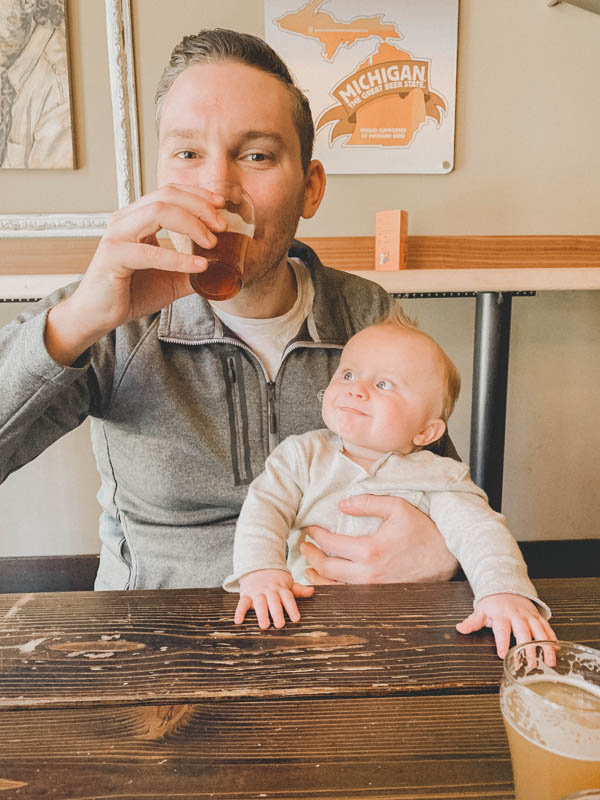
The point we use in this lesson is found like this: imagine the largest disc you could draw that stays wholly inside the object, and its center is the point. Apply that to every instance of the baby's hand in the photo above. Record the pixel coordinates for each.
(268, 592)
(506, 613)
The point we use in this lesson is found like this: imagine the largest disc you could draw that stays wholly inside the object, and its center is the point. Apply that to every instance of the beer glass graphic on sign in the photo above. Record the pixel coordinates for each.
(224, 276)
(550, 701)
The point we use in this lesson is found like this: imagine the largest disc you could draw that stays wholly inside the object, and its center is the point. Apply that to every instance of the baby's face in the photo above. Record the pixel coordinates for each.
(387, 389)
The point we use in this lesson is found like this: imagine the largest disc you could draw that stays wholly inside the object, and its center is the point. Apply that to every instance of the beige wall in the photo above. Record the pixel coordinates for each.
(527, 162)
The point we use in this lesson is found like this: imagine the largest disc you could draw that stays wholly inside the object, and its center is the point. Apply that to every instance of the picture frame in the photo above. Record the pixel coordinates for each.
(119, 34)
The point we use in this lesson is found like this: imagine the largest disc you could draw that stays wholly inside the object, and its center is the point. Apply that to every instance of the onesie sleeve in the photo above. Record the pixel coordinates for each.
(479, 538)
(268, 513)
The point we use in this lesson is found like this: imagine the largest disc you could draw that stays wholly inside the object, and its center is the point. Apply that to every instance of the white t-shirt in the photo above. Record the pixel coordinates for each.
(267, 338)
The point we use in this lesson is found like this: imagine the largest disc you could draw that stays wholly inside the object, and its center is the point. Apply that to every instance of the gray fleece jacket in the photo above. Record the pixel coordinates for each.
(183, 418)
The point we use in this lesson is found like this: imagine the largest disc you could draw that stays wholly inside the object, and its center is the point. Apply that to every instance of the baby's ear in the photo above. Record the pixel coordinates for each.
(433, 431)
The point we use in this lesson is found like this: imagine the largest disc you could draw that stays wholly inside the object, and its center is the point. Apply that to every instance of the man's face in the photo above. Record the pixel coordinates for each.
(228, 121)
(15, 26)
(387, 388)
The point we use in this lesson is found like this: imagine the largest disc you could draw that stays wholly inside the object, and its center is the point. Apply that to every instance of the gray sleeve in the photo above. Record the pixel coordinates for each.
(40, 400)
(268, 514)
(478, 537)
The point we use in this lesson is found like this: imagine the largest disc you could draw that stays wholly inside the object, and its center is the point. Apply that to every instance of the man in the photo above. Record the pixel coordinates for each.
(184, 411)
(35, 110)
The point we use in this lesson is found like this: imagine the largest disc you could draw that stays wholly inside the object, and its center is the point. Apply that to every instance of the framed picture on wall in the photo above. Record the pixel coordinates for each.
(380, 78)
(92, 176)
(36, 129)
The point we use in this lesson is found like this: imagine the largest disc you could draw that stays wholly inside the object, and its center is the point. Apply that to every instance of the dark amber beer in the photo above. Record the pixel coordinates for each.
(223, 277)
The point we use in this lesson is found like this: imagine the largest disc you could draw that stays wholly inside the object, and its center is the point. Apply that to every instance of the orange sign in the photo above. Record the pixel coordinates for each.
(381, 86)
(383, 102)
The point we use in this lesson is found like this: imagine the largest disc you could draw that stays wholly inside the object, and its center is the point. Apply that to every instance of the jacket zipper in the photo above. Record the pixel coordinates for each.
(272, 421)
(238, 426)
(272, 416)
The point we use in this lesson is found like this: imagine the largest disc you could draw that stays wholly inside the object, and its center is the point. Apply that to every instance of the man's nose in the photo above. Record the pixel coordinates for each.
(219, 170)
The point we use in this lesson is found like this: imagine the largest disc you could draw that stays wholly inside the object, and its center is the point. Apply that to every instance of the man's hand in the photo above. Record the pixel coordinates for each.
(269, 592)
(406, 548)
(130, 275)
(506, 614)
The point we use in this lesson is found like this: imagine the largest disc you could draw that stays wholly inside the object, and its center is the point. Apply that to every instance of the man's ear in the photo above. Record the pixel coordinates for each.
(433, 431)
(314, 188)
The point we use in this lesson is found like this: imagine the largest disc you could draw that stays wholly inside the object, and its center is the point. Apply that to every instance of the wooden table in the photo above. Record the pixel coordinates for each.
(157, 694)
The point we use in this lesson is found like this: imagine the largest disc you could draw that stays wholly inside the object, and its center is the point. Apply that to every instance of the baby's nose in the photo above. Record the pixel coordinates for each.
(357, 389)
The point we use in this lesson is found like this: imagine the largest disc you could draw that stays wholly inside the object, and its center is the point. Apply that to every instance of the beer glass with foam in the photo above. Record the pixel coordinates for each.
(224, 276)
(550, 701)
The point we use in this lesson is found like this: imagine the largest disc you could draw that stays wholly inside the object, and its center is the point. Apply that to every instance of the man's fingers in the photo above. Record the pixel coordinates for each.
(350, 547)
(146, 256)
(300, 590)
(195, 200)
(144, 220)
(371, 505)
(474, 622)
(338, 570)
(317, 580)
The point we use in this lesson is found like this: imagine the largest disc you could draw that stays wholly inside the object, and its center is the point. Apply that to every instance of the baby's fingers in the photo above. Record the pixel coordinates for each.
(502, 629)
(244, 605)
(542, 631)
(289, 603)
(523, 633)
(261, 609)
(275, 608)
(474, 622)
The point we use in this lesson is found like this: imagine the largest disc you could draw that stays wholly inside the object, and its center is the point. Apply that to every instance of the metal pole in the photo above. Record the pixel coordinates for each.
(490, 378)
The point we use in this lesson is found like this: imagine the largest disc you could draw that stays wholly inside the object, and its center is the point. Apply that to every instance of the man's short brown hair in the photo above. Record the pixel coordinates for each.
(213, 45)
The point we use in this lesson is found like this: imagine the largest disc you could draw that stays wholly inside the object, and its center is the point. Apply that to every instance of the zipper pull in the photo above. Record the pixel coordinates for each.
(231, 369)
(271, 404)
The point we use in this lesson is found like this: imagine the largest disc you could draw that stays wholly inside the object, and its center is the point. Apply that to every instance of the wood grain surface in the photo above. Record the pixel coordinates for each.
(22, 256)
(181, 645)
(410, 747)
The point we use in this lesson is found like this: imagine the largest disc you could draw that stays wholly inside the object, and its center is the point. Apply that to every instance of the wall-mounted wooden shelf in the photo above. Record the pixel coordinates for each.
(31, 267)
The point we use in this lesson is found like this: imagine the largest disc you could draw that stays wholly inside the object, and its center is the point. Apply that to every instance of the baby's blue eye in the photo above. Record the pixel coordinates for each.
(186, 154)
(348, 375)
(385, 385)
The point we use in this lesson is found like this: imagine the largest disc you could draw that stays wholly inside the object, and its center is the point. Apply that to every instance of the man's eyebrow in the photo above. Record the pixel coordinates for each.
(193, 134)
(275, 136)
(182, 133)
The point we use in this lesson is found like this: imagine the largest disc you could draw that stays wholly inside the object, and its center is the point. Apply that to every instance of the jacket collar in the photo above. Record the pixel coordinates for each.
(191, 319)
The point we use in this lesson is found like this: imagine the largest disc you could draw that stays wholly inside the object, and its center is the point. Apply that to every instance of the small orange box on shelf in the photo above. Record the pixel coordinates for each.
(391, 240)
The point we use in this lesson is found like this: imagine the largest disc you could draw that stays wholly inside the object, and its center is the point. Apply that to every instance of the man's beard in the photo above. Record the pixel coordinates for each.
(263, 282)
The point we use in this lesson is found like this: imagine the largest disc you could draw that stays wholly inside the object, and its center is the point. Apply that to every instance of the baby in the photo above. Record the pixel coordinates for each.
(390, 397)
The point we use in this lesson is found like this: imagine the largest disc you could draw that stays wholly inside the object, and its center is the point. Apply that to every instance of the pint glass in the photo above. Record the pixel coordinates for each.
(224, 276)
(550, 701)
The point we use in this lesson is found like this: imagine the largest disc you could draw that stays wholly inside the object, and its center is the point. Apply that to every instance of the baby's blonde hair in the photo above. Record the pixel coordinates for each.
(398, 317)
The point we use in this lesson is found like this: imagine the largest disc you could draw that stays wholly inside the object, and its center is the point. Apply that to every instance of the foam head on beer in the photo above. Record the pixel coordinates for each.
(552, 718)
